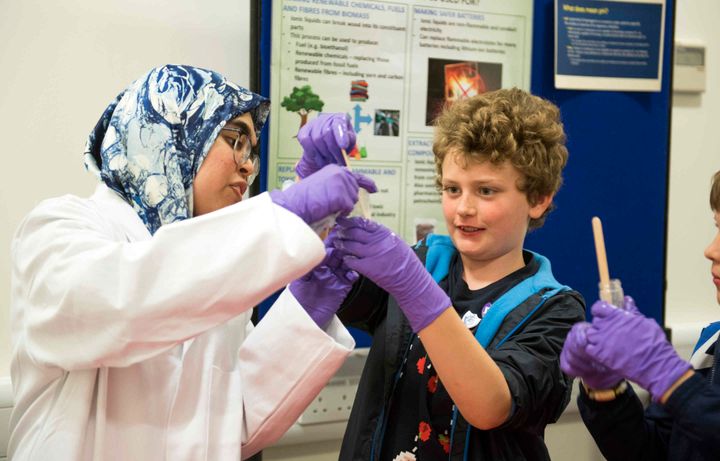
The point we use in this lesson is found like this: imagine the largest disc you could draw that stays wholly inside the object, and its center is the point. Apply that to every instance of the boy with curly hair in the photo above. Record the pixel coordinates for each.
(467, 329)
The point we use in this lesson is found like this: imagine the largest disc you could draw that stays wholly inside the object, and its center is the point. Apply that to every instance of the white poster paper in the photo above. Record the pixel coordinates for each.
(391, 66)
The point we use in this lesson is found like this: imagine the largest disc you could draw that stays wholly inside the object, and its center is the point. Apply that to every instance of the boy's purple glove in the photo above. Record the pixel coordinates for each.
(322, 140)
(322, 290)
(634, 346)
(332, 190)
(377, 253)
(575, 361)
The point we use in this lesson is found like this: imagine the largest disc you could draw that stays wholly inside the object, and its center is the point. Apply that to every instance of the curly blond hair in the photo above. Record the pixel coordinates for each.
(507, 125)
(715, 193)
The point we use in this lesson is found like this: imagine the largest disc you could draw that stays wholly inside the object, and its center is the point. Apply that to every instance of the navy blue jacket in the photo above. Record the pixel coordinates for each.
(529, 360)
(686, 427)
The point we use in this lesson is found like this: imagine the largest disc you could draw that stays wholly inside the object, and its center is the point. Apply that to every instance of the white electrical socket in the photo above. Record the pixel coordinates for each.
(332, 404)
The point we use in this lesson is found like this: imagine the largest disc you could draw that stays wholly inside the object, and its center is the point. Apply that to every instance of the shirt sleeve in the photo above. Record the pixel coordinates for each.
(84, 298)
(622, 431)
(695, 410)
(688, 424)
(530, 362)
(299, 357)
(365, 306)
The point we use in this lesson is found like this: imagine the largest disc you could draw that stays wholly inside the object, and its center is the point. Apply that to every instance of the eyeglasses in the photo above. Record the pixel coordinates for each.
(243, 150)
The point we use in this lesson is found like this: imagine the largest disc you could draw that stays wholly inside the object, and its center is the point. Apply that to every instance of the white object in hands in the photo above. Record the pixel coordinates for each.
(362, 207)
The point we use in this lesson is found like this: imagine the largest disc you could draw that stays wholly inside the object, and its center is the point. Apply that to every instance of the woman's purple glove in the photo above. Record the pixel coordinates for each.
(575, 361)
(322, 140)
(322, 290)
(634, 346)
(332, 190)
(377, 253)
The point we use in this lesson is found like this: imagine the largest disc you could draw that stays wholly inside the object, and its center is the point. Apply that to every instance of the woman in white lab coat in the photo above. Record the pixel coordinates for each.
(131, 323)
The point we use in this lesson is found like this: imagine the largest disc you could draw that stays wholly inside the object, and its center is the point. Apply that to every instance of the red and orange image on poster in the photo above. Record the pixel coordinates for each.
(463, 80)
(452, 80)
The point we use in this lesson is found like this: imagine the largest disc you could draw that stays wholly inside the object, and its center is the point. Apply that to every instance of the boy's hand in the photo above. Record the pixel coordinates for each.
(376, 252)
(575, 361)
(635, 347)
(322, 140)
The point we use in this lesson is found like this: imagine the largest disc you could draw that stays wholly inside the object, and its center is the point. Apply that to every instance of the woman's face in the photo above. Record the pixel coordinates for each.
(220, 181)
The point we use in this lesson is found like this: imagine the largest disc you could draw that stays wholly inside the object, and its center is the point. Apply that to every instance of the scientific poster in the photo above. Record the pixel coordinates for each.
(609, 44)
(391, 66)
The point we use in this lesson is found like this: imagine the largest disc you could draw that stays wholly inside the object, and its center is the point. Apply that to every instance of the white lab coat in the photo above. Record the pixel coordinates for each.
(127, 347)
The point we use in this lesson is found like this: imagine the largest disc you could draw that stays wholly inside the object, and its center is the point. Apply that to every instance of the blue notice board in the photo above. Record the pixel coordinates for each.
(616, 39)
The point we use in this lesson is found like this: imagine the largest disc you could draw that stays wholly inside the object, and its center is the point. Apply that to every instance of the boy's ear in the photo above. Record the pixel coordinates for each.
(540, 206)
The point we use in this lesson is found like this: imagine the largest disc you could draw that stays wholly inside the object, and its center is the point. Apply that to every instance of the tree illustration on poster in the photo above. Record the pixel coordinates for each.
(303, 101)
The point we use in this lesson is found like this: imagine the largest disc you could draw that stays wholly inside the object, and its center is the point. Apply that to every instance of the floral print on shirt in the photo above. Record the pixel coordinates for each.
(421, 365)
(432, 384)
(424, 431)
(445, 442)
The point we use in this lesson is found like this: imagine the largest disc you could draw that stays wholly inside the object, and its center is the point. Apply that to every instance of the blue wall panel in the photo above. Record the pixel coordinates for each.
(618, 167)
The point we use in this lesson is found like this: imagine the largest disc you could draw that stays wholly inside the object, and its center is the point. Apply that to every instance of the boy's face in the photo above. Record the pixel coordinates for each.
(486, 214)
(712, 252)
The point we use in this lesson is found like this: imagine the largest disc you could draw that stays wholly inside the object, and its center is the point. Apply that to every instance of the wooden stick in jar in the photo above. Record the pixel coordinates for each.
(600, 253)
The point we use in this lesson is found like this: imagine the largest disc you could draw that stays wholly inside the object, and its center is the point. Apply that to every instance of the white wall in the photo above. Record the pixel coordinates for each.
(695, 156)
(62, 63)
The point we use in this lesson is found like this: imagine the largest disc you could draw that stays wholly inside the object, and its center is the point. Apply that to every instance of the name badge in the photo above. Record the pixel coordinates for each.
(470, 319)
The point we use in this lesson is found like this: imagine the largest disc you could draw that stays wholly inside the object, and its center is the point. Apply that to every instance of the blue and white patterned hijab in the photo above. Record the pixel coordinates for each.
(150, 142)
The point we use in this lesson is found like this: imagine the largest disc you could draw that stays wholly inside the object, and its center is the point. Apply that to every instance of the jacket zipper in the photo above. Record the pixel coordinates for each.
(379, 434)
(715, 362)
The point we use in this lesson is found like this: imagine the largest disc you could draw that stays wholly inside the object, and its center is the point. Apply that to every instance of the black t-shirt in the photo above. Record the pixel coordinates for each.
(420, 410)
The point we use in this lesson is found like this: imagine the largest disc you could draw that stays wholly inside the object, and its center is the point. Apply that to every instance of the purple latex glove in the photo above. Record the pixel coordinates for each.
(322, 290)
(322, 140)
(635, 346)
(575, 361)
(332, 190)
(377, 253)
